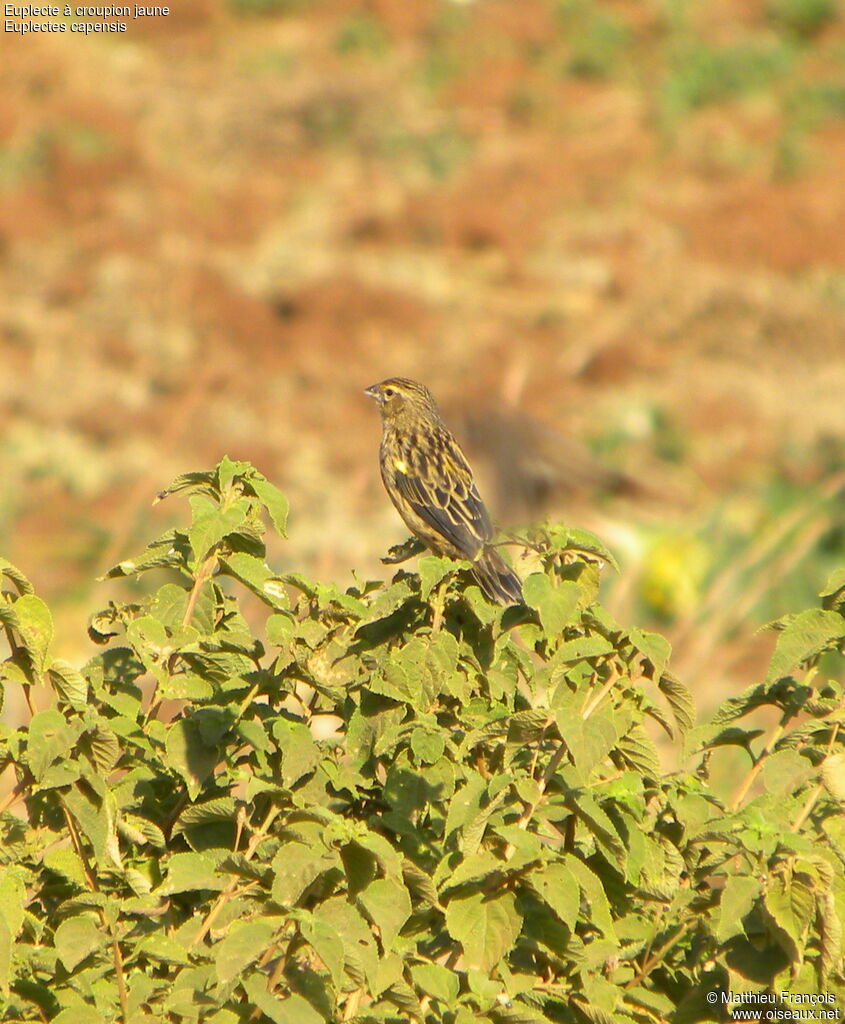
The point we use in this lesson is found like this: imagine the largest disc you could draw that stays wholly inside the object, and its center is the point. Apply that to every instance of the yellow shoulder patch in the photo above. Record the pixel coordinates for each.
(401, 465)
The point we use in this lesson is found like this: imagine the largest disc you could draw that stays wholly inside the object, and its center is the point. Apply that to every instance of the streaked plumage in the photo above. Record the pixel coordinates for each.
(430, 482)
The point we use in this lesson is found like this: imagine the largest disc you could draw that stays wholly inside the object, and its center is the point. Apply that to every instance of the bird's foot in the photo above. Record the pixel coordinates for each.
(402, 552)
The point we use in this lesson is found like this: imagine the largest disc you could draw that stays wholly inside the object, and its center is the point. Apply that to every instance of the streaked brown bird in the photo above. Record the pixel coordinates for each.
(430, 482)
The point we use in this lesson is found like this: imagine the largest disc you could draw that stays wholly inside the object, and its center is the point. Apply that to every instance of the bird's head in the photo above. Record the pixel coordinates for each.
(398, 396)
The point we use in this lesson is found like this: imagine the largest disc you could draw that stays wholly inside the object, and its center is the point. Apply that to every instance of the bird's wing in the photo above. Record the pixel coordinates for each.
(438, 486)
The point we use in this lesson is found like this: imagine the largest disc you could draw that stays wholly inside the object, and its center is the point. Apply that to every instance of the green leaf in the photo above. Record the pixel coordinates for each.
(835, 584)
(50, 736)
(81, 1013)
(485, 925)
(594, 893)
(273, 500)
(438, 982)
(589, 742)
(69, 683)
(13, 898)
(162, 948)
(16, 576)
(810, 633)
(93, 806)
(680, 701)
(210, 812)
(295, 867)
(556, 606)
(6, 945)
(556, 886)
(300, 754)
(254, 573)
(791, 904)
(292, 1009)
(738, 897)
(35, 625)
(242, 945)
(432, 570)
(328, 945)
(68, 864)
(190, 872)
(189, 754)
(210, 524)
(388, 906)
(360, 950)
(427, 746)
(573, 539)
(654, 647)
(785, 771)
(75, 939)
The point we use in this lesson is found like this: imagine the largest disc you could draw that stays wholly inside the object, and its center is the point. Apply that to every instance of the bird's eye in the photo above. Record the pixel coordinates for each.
(389, 392)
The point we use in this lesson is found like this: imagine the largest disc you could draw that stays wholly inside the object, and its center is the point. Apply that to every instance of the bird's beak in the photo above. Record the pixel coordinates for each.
(372, 391)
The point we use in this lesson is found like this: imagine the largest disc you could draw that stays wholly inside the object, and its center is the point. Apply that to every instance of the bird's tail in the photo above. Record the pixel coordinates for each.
(498, 581)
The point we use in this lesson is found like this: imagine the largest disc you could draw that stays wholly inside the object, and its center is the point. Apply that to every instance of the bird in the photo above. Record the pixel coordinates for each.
(429, 480)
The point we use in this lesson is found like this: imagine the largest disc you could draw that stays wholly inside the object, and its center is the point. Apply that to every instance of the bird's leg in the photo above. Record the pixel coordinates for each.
(402, 552)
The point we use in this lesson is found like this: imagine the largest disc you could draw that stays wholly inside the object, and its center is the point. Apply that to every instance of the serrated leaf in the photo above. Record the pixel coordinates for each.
(94, 807)
(427, 746)
(13, 899)
(69, 683)
(189, 754)
(833, 776)
(556, 886)
(574, 539)
(360, 950)
(162, 948)
(638, 749)
(14, 574)
(209, 812)
(295, 867)
(328, 945)
(189, 872)
(210, 523)
(588, 742)
(254, 573)
(388, 906)
(485, 925)
(556, 605)
(300, 754)
(654, 647)
(785, 771)
(737, 899)
(810, 633)
(35, 625)
(50, 736)
(75, 939)
(292, 1009)
(830, 932)
(68, 864)
(432, 569)
(594, 893)
(274, 501)
(103, 747)
(791, 904)
(680, 701)
(437, 982)
(242, 945)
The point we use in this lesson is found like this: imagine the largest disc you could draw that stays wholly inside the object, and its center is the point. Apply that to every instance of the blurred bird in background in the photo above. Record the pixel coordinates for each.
(431, 484)
(537, 469)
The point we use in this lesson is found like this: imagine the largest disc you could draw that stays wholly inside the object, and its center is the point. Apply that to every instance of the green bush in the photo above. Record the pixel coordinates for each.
(399, 802)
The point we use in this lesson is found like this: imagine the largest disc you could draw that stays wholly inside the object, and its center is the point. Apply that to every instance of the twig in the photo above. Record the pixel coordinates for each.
(229, 892)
